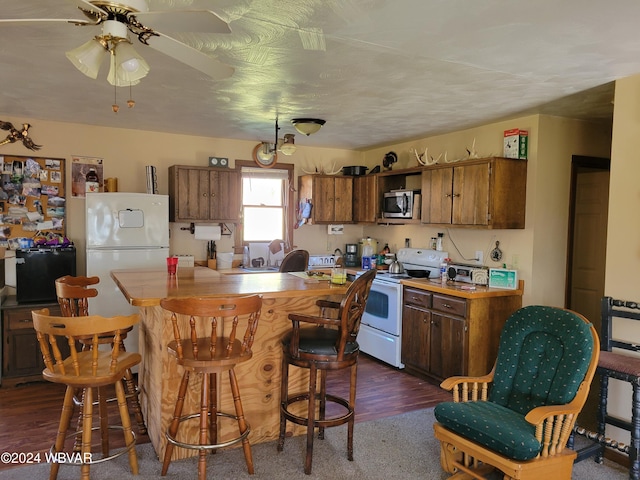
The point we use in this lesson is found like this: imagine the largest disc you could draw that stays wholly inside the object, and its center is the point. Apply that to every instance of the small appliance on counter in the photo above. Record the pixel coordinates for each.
(351, 258)
(468, 273)
(37, 270)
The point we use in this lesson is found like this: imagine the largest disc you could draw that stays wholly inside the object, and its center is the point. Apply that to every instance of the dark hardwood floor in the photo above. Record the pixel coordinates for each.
(29, 414)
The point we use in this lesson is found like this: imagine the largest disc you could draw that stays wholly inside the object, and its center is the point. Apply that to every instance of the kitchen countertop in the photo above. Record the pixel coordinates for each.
(461, 289)
(146, 287)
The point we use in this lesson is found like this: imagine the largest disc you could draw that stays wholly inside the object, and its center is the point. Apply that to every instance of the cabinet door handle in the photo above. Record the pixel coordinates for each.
(455, 195)
(204, 194)
(25, 320)
(448, 195)
(446, 305)
(415, 299)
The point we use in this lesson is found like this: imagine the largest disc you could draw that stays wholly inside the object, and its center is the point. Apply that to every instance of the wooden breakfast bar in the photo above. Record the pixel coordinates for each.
(259, 379)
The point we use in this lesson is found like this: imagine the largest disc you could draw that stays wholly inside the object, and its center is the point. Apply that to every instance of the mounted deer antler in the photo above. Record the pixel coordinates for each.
(423, 158)
(320, 170)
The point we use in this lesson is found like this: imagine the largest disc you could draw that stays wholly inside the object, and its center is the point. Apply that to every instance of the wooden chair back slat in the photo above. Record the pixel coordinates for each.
(73, 294)
(53, 329)
(213, 322)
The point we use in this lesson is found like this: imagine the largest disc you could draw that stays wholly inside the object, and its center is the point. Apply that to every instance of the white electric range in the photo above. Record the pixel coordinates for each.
(381, 330)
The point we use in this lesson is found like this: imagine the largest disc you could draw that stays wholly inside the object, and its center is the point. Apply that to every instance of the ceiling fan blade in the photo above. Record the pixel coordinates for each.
(75, 21)
(191, 56)
(198, 21)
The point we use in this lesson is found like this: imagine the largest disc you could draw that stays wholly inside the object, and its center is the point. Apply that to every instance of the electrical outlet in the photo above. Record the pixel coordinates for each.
(479, 257)
(515, 261)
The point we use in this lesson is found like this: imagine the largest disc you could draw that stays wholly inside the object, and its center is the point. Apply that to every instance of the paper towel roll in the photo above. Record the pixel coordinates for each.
(207, 232)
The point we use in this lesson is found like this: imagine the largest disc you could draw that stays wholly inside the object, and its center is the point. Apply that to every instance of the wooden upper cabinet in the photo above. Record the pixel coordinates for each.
(489, 193)
(365, 198)
(204, 194)
(330, 195)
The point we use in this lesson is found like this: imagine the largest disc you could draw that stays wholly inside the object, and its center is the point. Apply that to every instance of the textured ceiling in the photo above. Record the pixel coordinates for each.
(378, 71)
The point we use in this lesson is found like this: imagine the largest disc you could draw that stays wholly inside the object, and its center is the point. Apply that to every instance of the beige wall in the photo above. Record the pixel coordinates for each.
(552, 141)
(538, 251)
(623, 231)
(126, 152)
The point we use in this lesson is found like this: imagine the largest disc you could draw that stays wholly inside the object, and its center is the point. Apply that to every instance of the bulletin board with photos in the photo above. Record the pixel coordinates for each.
(32, 198)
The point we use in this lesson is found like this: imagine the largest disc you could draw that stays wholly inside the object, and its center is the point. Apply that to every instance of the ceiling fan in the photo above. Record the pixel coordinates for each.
(119, 17)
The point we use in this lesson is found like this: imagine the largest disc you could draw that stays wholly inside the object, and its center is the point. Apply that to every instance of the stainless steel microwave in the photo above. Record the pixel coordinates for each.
(400, 203)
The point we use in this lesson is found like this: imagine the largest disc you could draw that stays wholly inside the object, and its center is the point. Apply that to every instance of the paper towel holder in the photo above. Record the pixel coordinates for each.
(191, 228)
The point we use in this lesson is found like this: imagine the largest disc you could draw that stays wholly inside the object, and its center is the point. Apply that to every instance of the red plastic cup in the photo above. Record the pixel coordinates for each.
(172, 265)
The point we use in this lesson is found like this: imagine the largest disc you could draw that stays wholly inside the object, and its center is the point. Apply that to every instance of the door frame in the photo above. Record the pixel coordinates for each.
(578, 164)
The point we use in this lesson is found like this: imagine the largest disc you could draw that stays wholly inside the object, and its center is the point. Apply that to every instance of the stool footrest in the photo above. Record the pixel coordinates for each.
(211, 446)
(75, 454)
(327, 422)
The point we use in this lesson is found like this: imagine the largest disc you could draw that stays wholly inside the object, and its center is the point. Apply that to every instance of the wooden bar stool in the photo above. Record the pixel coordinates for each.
(615, 364)
(87, 370)
(295, 261)
(224, 347)
(331, 345)
(73, 297)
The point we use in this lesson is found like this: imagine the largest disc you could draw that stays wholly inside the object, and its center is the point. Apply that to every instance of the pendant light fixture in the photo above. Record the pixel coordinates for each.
(307, 126)
(265, 154)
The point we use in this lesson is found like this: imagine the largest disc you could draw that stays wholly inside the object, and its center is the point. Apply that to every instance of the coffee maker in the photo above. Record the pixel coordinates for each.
(351, 255)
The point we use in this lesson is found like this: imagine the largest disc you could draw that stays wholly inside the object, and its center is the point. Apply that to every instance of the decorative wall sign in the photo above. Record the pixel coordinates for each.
(79, 168)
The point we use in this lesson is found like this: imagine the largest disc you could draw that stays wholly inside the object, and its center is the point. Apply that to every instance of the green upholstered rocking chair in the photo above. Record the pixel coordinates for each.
(517, 419)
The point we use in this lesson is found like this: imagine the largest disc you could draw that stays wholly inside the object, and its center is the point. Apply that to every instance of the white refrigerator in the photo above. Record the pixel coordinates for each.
(123, 231)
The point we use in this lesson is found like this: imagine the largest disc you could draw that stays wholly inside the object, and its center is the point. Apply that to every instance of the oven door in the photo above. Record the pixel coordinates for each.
(383, 310)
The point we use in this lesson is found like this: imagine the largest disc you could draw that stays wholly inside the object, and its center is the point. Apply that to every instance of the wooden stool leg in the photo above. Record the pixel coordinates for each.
(602, 411)
(352, 406)
(323, 401)
(78, 394)
(126, 425)
(284, 395)
(104, 420)
(132, 392)
(175, 421)
(634, 451)
(65, 421)
(242, 424)
(311, 417)
(87, 423)
(213, 409)
(204, 426)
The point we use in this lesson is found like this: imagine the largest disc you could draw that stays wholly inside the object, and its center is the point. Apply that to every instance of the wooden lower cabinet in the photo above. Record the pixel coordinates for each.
(444, 335)
(21, 356)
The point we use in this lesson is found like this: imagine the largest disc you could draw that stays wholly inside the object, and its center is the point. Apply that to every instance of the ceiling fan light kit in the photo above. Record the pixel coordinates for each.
(288, 147)
(88, 57)
(307, 126)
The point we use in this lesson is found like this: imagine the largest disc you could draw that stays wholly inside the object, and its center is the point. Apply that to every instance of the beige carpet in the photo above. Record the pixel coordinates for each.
(401, 447)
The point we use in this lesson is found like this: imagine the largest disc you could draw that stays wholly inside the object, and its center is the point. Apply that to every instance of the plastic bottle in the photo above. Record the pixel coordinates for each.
(433, 243)
(444, 266)
(439, 242)
(245, 257)
(92, 182)
(367, 252)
